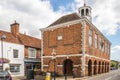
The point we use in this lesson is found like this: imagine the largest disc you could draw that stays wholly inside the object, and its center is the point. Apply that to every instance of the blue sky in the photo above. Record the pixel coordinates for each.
(58, 3)
(114, 38)
(37, 14)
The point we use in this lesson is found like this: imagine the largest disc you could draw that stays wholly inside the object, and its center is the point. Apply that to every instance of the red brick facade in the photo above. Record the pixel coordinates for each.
(81, 49)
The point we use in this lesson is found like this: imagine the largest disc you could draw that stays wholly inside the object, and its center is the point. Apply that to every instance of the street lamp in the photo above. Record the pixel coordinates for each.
(66, 67)
(54, 58)
(2, 38)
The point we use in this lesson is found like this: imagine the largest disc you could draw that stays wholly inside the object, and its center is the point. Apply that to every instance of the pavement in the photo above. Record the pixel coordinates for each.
(38, 77)
(112, 75)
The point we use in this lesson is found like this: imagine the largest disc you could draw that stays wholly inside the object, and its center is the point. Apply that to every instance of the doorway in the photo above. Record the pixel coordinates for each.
(89, 68)
(68, 67)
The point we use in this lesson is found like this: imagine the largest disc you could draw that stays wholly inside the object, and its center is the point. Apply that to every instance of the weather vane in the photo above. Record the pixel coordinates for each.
(84, 2)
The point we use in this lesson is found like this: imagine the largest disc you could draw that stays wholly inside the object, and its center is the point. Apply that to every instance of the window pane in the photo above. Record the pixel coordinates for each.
(15, 53)
(96, 41)
(90, 37)
(32, 53)
(14, 68)
(100, 43)
(0, 68)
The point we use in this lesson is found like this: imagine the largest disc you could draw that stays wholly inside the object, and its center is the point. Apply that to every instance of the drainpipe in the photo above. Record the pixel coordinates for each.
(41, 50)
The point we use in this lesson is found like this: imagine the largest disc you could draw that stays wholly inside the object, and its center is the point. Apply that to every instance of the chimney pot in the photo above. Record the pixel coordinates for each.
(15, 28)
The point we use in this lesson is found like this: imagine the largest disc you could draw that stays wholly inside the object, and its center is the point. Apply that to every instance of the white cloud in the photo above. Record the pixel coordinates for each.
(31, 15)
(106, 20)
(105, 14)
(115, 53)
(116, 49)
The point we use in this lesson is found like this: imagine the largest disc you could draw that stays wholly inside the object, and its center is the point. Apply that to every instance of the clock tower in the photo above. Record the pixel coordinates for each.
(85, 11)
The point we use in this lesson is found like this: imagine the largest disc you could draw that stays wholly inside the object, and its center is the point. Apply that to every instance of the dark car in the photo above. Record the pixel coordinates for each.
(5, 75)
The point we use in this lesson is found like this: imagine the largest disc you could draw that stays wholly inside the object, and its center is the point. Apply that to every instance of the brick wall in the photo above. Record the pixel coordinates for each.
(69, 44)
(96, 51)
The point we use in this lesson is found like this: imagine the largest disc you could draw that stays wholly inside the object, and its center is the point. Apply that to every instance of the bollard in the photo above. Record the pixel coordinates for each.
(47, 76)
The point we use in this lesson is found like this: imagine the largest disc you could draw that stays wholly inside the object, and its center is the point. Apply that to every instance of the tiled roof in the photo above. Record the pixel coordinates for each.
(21, 39)
(29, 41)
(66, 18)
(9, 37)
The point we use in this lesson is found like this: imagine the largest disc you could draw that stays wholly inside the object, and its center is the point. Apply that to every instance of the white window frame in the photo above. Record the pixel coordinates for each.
(16, 68)
(29, 54)
(102, 45)
(90, 37)
(39, 53)
(96, 40)
(106, 47)
(100, 40)
(17, 53)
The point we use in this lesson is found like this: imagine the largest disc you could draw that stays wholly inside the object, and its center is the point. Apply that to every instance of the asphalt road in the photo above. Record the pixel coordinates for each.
(112, 75)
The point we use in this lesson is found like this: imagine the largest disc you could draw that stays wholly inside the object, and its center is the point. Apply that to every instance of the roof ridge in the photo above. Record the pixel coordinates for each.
(29, 36)
(65, 18)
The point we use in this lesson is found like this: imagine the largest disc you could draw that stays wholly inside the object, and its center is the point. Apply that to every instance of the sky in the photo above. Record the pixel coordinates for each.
(33, 15)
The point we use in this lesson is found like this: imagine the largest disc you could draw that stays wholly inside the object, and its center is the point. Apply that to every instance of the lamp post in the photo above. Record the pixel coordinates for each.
(66, 67)
(54, 58)
(2, 38)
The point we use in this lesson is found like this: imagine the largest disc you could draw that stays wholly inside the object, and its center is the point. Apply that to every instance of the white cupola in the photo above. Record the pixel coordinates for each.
(85, 11)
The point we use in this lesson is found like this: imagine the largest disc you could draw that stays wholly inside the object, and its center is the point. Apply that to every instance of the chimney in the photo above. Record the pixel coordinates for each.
(15, 28)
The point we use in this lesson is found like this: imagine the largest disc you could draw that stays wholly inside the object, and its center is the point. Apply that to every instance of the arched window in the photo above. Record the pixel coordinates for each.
(82, 12)
(87, 12)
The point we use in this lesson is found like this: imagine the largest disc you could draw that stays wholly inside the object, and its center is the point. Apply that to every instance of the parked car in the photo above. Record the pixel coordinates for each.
(5, 75)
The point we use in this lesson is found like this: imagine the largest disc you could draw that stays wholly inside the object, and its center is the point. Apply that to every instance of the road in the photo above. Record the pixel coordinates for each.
(112, 75)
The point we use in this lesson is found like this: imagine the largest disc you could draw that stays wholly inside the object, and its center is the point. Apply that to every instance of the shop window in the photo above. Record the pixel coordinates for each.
(14, 68)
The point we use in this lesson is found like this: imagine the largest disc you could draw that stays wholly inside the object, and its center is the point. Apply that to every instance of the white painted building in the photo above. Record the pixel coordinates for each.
(15, 53)
(22, 50)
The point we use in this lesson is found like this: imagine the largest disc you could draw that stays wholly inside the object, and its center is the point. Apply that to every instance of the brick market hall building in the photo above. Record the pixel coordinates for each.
(78, 47)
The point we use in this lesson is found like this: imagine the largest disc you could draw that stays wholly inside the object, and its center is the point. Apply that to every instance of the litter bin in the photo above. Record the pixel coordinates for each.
(47, 76)
(30, 74)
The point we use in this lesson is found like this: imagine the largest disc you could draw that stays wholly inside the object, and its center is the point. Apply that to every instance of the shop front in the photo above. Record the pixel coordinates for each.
(33, 65)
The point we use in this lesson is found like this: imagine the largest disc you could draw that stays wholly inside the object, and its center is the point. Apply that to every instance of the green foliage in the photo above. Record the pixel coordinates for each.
(114, 64)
